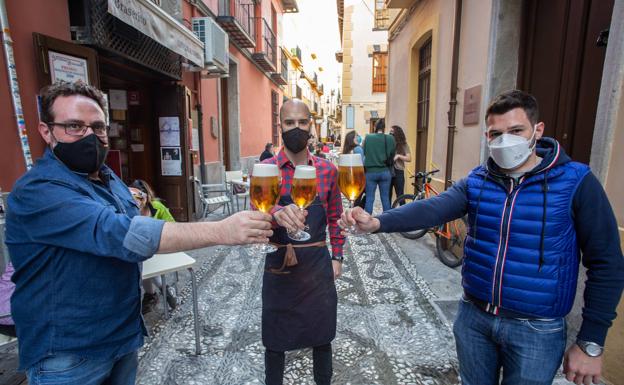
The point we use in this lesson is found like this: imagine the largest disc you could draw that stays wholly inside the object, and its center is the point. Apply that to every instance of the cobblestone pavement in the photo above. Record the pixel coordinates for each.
(388, 330)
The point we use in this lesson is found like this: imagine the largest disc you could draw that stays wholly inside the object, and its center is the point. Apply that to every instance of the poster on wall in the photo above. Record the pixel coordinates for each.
(118, 99)
(169, 127)
(171, 161)
(68, 68)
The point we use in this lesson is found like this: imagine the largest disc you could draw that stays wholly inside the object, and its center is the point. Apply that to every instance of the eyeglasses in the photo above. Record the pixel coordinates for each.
(78, 129)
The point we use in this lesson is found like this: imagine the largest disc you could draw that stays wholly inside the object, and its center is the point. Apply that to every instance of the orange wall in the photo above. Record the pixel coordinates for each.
(255, 105)
(45, 17)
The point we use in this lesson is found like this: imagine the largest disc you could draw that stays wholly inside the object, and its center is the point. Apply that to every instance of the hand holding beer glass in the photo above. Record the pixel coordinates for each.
(351, 180)
(303, 193)
(264, 192)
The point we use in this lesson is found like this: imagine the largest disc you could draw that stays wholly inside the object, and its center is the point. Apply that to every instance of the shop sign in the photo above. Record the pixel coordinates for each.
(152, 21)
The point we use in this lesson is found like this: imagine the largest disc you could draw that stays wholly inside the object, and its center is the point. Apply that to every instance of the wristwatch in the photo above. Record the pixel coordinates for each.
(592, 349)
(339, 259)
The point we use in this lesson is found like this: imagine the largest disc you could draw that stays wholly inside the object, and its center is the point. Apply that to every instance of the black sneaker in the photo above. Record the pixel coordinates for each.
(150, 300)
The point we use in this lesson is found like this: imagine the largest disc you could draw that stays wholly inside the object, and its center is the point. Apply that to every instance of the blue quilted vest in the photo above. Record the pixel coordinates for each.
(521, 253)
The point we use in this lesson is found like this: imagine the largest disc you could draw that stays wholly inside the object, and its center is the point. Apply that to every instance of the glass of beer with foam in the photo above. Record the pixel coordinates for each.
(303, 193)
(264, 192)
(351, 180)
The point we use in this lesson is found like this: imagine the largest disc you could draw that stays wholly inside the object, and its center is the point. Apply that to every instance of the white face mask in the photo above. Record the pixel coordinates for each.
(511, 151)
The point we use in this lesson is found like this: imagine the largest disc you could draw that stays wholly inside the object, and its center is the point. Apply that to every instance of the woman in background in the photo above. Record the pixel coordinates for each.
(151, 206)
(403, 154)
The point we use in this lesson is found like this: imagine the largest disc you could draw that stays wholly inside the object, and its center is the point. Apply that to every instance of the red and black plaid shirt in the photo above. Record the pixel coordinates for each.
(327, 189)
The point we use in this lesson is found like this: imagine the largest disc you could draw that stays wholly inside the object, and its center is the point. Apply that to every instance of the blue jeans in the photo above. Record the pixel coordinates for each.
(373, 179)
(71, 369)
(528, 351)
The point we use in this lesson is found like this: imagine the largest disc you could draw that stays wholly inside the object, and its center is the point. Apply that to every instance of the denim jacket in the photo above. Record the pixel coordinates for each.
(76, 246)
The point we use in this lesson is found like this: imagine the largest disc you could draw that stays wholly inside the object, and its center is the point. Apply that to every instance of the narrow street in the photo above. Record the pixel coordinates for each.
(388, 330)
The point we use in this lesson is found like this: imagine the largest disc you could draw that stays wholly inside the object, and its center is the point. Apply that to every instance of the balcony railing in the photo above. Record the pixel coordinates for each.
(296, 53)
(282, 76)
(266, 55)
(237, 19)
(382, 19)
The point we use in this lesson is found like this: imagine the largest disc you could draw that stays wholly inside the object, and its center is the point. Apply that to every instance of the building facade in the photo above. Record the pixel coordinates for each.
(181, 106)
(448, 59)
(364, 57)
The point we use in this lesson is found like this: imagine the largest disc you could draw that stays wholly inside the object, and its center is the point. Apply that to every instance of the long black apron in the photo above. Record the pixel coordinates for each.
(299, 308)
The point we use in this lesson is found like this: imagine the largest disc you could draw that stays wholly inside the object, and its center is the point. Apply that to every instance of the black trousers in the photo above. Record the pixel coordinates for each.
(398, 183)
(322, 366)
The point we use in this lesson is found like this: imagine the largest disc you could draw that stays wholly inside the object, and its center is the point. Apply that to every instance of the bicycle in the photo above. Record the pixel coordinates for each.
(449, 236)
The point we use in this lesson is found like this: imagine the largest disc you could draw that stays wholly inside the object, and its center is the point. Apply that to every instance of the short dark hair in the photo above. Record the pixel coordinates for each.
(380, 125)
(509, 100)
(62, 88)
(267, 146)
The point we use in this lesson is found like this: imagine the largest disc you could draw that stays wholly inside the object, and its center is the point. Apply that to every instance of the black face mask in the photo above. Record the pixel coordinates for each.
(296, 139)
(85, 155)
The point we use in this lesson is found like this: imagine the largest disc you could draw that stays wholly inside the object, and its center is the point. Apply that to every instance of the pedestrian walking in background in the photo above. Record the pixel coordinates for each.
(403, 154)
(268, 152)
(379, 151)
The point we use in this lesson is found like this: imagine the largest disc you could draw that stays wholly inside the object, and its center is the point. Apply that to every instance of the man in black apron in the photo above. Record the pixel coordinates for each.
(299, 297)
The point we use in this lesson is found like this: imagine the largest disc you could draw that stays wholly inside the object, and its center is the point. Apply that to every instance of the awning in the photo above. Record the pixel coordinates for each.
(152, 21)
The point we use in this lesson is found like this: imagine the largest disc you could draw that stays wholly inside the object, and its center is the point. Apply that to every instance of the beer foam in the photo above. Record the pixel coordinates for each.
(263, 169)
(305, 172)
(350, 160)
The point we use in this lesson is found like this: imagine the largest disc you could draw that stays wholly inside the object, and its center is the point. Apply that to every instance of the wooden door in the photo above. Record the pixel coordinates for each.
(561, 65)
(422, 118)
(175, 176)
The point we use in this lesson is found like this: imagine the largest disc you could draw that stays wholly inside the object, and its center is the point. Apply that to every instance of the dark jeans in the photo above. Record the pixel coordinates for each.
(72, 369)
(529, 352)
(397, 184)
(322, 366)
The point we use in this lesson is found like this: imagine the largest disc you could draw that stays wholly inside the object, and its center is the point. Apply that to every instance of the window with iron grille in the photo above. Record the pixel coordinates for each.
(274, 117)
(380, 71)
(382, 16)
(424, 84)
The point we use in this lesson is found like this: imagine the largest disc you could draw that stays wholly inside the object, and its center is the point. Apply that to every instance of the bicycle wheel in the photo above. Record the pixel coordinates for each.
(400, 201)
(450, 245)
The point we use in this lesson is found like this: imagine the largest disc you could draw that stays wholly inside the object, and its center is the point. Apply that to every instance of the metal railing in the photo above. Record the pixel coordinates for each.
(296, 52)
(382, 19)
(284, 65)
(242, 11)
(268, 42)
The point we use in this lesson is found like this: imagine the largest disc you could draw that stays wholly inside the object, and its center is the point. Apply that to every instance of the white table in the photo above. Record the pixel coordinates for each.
(161, 264)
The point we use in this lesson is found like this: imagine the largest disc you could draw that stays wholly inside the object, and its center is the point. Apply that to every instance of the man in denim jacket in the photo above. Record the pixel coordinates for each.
(76, 242)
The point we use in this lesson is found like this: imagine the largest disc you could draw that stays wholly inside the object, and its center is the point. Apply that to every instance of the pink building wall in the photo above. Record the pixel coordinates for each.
(45, 17)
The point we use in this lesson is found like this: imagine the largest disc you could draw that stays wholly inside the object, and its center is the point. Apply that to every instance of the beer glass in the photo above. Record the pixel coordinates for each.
(303, 193)
(264, 192)
(351, 180)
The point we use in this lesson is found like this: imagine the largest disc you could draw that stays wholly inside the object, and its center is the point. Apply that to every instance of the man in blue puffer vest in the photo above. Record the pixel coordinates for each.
(533, 214)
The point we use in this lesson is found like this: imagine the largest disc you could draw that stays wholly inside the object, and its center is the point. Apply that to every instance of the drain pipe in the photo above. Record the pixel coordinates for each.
(450, 145)
(7, 43)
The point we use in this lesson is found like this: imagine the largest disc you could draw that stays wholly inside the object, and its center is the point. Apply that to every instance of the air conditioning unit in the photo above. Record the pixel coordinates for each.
(216, 43)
